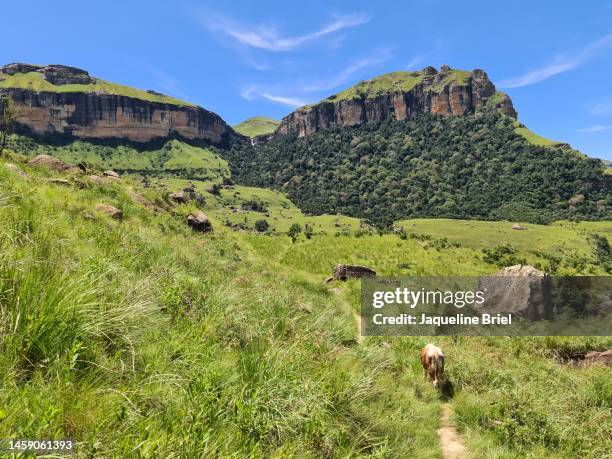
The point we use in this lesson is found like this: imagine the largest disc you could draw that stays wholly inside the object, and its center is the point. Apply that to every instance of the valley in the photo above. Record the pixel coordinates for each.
(126, 329)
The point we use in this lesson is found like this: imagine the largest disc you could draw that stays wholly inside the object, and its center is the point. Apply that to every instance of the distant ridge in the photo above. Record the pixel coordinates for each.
(257, 126)
(398, 95)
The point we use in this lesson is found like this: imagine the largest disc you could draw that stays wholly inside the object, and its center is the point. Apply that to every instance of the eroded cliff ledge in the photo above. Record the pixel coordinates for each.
(398, 95)
(60, 100)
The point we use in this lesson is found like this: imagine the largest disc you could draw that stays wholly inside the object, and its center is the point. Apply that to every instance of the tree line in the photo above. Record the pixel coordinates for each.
(428, 166)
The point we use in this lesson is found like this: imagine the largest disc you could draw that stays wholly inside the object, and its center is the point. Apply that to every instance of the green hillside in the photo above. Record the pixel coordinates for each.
(428, 166)
(255, 126)
(141, 337)
(172, 158)
(35, 81)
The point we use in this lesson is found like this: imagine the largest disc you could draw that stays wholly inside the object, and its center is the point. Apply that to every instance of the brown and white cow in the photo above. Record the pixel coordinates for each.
(432, 360)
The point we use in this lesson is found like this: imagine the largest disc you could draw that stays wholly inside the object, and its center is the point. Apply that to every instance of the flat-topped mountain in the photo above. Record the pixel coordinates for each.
(57, 100)
(399, 95)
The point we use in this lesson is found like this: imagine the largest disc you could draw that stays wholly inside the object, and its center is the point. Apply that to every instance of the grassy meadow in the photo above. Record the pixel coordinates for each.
(258, 125)
(35, 81)
(141, 338)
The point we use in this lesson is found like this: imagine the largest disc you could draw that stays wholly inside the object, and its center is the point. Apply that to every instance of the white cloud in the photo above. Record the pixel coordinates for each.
(349, 71)
(603, 107)
(435, 51)
(269, 38)
(253, 93)
(596, 128)
(560, 64)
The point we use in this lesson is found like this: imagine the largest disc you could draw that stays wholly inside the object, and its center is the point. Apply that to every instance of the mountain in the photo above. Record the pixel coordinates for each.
(56, 100)
(400, 95)
(423, 144)
(257, 126)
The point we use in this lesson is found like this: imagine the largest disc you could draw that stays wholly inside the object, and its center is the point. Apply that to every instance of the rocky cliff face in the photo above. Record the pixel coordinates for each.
(90, 113)
(446, 92)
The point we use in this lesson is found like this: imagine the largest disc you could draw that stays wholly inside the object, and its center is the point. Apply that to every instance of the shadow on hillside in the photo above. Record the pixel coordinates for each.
(61, 139)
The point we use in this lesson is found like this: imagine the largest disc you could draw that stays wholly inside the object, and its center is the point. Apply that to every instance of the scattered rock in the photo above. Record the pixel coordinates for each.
(199, 222)
(52, 163)
(179, 197)
(111, 174)
(521, 289)
(516, 226)
(602, 358)
(111, 211)
(344, 272)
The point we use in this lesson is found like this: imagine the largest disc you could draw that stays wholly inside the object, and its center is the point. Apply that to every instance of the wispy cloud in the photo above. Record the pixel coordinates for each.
(602, 107)
(269, 38)
(561, 63)
(596, 128)
(253, 93)
(349, 71)
(302, 91)
(435, 50)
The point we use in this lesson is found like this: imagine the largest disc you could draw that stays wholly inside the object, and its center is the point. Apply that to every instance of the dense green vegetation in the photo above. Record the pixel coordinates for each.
(35, 81)
(428, 166)
(258, 125)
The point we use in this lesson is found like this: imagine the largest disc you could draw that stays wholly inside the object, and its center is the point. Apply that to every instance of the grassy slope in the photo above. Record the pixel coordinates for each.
(229, 343)
(258, 125)
(142, 336)
(36, 82)
(173, 156)
(534, 138)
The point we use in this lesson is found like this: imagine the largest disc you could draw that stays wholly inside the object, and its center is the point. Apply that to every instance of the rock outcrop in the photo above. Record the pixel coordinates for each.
(345, 272)
(52, 163)
(602, 358)
(109, 210)
(400, 95)
(99, 113)
(199, 222)
(521, 289)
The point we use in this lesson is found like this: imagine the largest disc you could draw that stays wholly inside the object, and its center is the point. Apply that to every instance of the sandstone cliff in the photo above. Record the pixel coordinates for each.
(60, 100)
(399, 95)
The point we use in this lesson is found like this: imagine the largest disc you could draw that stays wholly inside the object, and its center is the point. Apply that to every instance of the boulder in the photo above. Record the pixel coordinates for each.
(111, 174)
(602, 358)
(109, 210)
(52, 163)
(516, 226)
(179, 197)
(199, 222)
(344, 272)
(521, 289)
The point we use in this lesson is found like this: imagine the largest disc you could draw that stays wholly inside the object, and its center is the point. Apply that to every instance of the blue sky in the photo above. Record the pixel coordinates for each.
(241, 59)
